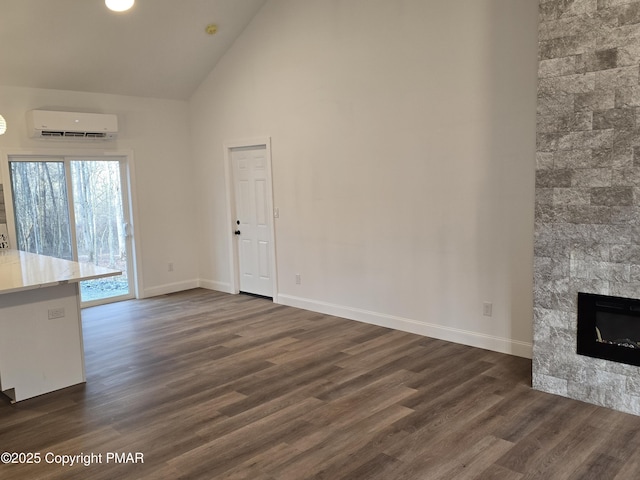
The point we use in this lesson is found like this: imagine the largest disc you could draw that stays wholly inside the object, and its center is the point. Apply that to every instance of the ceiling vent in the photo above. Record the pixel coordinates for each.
(51, 124)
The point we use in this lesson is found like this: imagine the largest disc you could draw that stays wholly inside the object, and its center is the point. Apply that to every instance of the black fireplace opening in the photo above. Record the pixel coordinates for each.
(609, 328)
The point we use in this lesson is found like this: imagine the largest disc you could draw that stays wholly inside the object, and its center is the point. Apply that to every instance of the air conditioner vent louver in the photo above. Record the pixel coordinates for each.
(58, 134)
(72, 125)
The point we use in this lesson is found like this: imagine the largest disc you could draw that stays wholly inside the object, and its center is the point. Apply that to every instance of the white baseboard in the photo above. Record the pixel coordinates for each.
(170, 288)
(224, 287)
(456, 335)
(441, 332)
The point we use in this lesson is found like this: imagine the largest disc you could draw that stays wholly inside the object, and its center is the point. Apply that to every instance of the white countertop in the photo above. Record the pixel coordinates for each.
(25, 271)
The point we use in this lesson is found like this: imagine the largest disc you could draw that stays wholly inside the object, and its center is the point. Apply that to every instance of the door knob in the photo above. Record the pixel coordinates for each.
(237, 232)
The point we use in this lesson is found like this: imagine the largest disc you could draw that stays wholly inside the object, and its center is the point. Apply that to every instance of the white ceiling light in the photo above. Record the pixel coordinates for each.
(119, 5)
(3, 125)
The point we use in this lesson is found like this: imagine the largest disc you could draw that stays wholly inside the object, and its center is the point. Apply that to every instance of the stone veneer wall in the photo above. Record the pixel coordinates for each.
(587, 234)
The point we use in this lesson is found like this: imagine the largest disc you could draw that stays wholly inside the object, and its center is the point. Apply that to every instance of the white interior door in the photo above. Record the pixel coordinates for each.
(254, 222)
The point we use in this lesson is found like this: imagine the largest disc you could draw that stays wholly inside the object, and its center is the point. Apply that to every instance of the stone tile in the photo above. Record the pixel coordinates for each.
(551, 248)
(633, 385)
(583, 214)
(629, 290)
(623, 402)
(552, 295)
(547, 11)
(627, 96)
(545, 269)
(580, 373)
(547, 142)
(591, 252)
(624, 139)
(598, 60)
(578, 7)
(576, 122)
(629, 254)
(615, 37)
(629, 14)
(554, 178)
(619, 368)
(587, 235)
(562, 103)
(572, 27)
(625, 215)
(544, 196)
(571, 196)
(585, 285)
(607, 18)
(599, 99)
(579, 158)
(634, 234)
(556, 67)
(611, 272)
(568, 45)
(581, 83)
(544, 160)
(628, 55)
(590, 177)
(586, 392)
(582, 140)
(547, 124)
(626, 177)
(613, 3)
(552, 318)
(549, 384)
(544, 213)
(622, 157)
(618, 118)
(556, 251)
(617, 77)
(618, 157)
(612, 196)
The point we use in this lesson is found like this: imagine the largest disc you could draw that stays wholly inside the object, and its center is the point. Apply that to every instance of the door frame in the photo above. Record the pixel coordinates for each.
(234, 262)
(64, 153)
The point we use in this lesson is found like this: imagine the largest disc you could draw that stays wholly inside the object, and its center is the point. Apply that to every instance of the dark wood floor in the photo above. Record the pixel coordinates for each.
(215, 386)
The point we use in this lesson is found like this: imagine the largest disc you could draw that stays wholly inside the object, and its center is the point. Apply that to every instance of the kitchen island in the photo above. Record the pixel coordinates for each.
(41, 347)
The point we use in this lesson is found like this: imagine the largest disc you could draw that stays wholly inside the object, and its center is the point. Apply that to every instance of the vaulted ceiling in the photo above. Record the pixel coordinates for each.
(158, 49)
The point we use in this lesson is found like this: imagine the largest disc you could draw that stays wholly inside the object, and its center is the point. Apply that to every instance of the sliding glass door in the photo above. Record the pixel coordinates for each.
(76, 209)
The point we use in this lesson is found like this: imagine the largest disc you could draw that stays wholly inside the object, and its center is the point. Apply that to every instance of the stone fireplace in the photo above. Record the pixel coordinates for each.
(587, 233)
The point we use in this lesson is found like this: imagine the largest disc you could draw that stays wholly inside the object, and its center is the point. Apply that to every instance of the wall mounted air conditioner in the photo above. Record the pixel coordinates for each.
(71, 125)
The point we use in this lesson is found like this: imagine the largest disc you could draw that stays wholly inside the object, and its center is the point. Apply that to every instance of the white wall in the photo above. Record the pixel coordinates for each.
(156, 132)
(403, 137)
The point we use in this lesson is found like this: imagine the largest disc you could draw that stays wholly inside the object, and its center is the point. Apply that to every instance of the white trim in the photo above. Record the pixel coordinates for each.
(224, 287)
(234, 268)
(171, 288)
(450, 334)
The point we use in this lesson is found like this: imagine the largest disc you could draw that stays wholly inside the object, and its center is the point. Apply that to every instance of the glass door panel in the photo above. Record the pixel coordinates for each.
(41, 208)
(100, 226)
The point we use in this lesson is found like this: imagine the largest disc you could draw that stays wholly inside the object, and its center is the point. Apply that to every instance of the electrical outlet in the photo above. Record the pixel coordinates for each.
(170, 267)
(487, 309)
(298, 279)
(56, 313)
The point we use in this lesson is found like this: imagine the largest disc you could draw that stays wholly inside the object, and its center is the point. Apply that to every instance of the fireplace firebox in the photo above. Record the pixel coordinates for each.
(609, 328)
